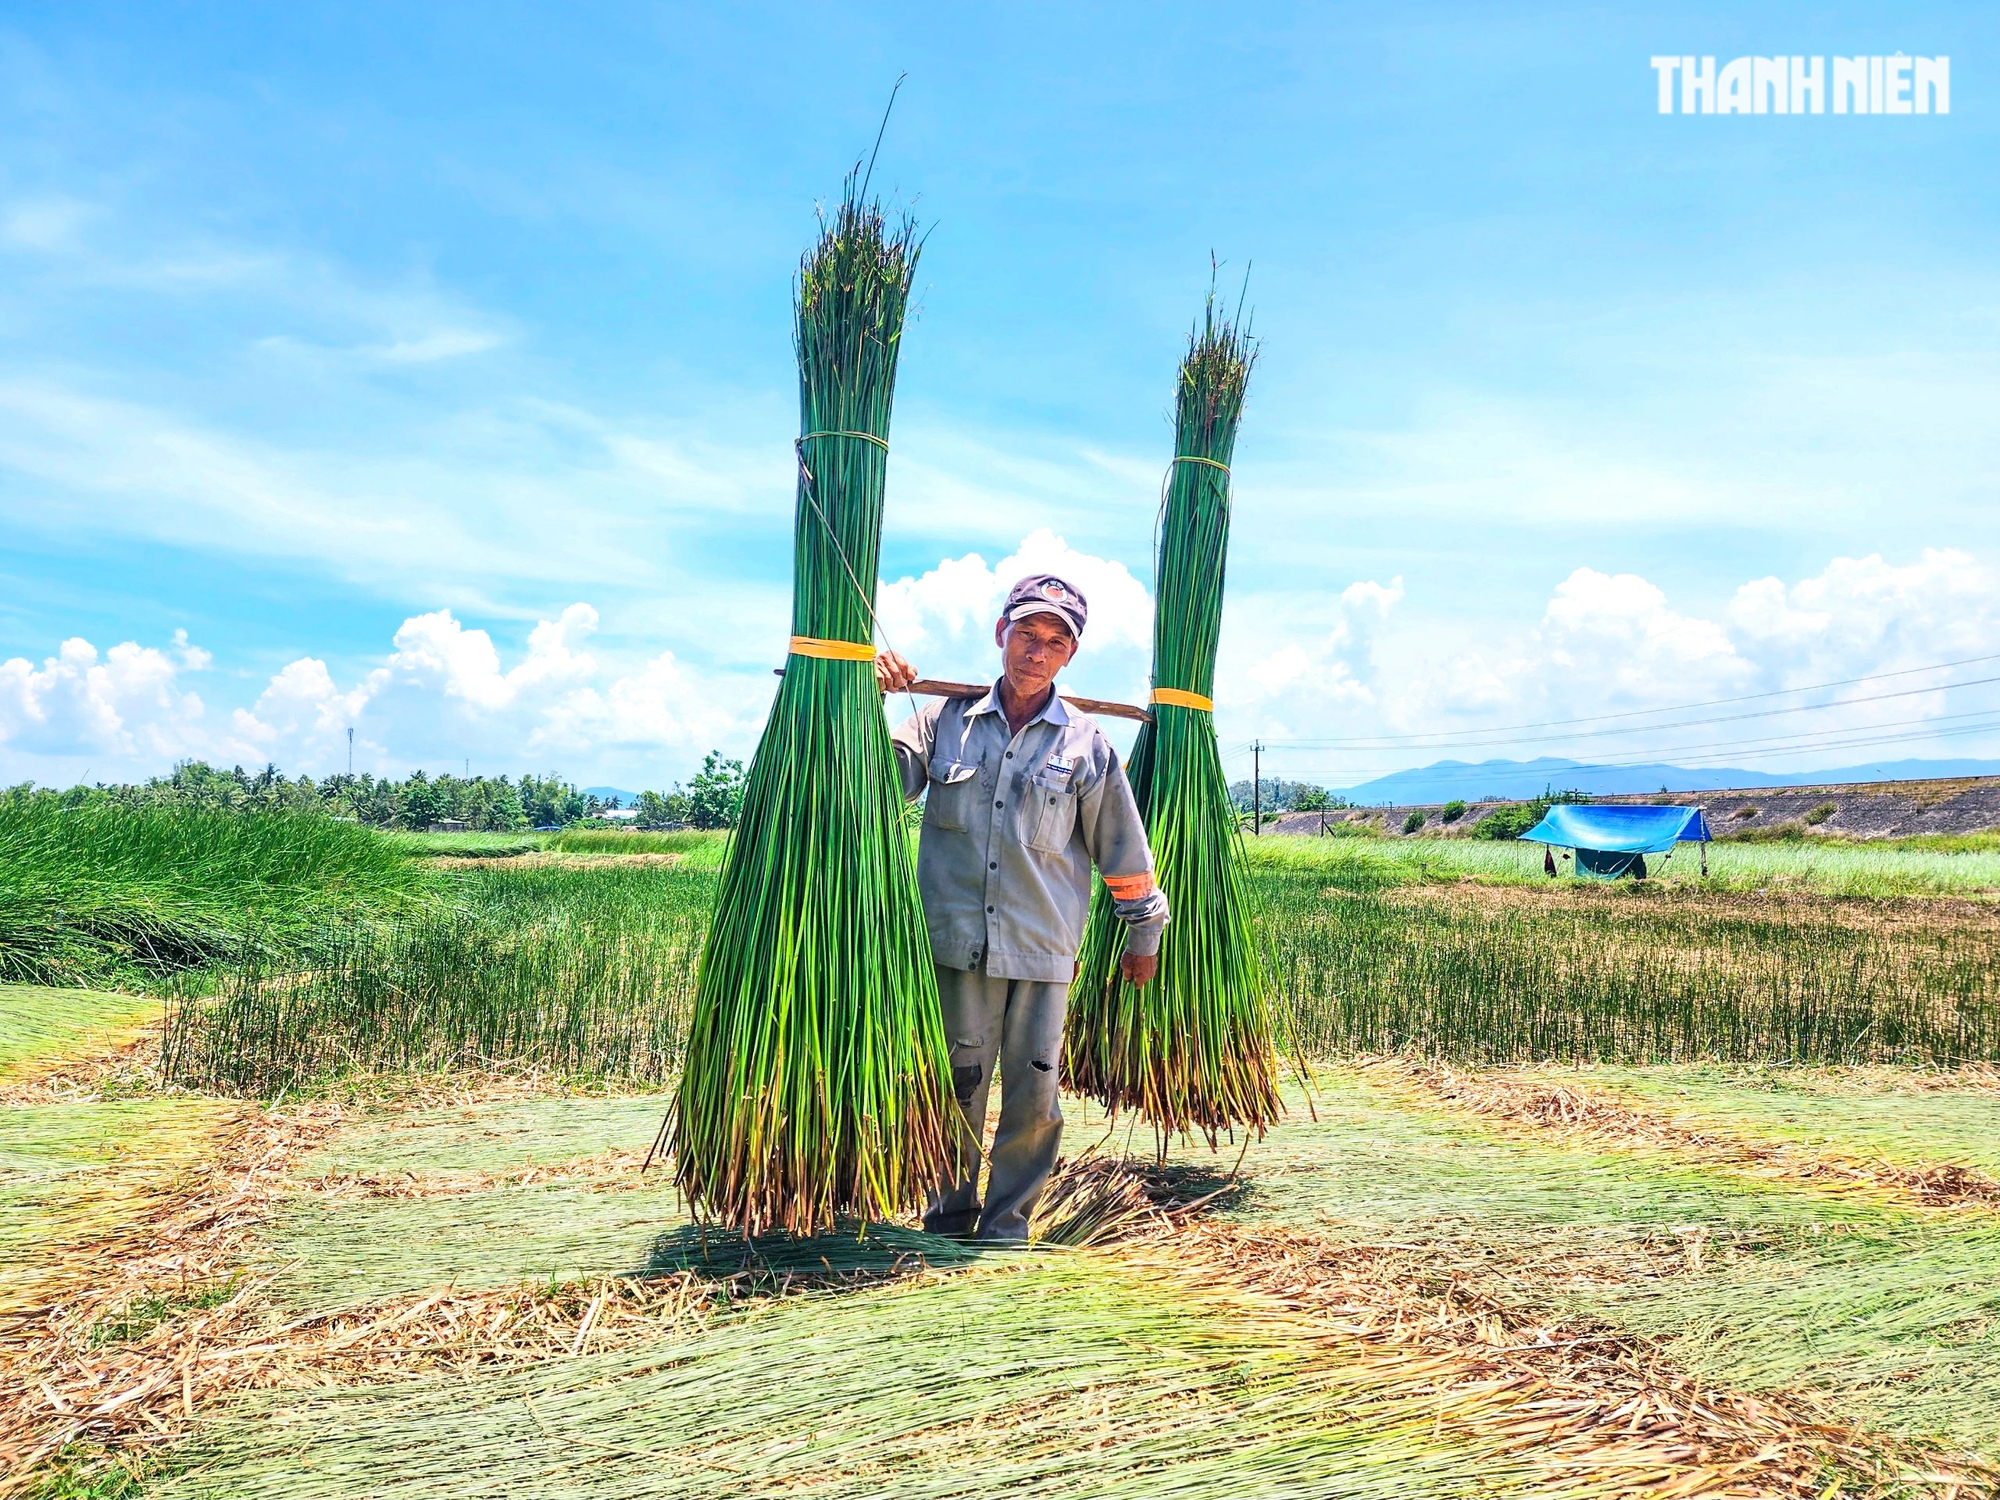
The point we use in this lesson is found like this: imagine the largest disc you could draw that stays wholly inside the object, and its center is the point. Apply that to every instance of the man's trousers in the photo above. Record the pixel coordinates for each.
(1017, 1023)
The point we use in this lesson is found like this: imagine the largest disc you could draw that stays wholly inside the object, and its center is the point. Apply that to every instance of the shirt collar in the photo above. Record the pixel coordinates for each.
(1055, 711)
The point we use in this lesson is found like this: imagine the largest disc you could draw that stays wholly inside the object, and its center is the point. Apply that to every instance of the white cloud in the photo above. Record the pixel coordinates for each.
(467, 514)
(1608, 643)
(301, 712)
(127, 704)
(443, 694)
(660, 706)
(943, 619)
(1618, 633)
(441, 343)
(439, 495)
(444, 690)
(435, 652)
(1865, 611)
(194, 658)
(1299, 662)
(43, 223)
(1372, 596)
(183, 480)
(954, 482)
(1471, 456)
(1345, 664)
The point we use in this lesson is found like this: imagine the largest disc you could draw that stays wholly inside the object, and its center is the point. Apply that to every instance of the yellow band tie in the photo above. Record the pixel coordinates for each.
(1180, 699)
(1194, 458)
(866, 437)
(805, 645)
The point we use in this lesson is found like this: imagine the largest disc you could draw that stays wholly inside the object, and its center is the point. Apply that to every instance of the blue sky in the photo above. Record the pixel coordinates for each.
(427, 370)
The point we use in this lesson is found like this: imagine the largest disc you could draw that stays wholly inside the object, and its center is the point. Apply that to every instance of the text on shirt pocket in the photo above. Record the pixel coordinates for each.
(1049, 814)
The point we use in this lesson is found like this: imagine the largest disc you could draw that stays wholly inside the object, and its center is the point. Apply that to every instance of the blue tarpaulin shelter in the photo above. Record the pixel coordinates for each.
(1612, 839)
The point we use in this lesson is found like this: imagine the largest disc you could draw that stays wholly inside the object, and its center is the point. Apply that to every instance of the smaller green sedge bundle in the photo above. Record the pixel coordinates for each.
(1193, 1049)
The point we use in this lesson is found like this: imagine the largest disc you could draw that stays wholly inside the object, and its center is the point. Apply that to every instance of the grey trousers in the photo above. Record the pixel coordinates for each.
(1019, 1024)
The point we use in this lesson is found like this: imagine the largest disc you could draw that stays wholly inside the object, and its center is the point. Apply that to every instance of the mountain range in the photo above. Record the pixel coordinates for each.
(1529, 778)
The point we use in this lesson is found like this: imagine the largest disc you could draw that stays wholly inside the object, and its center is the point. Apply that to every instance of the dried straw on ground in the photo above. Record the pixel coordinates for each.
(1548, 1102)
(1211, 1350)
(1592, 1401)
(1193, 1049)
(155, 1319)
(814, 1084)
(57, 1385)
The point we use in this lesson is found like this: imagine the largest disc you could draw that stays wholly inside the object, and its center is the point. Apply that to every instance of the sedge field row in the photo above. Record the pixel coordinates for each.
(585, 963)
(120, 899)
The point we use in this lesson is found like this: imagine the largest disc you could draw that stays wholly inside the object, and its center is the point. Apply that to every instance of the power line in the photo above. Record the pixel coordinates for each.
(1671, 708)
(1468, 774)
(1804, 740)
(1463, 739)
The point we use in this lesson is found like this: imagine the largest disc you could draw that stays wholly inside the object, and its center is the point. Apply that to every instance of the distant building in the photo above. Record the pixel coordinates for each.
(448, 825)
(618, 815)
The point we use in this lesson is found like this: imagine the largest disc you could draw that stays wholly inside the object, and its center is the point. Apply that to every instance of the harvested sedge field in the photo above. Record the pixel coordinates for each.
(1581, 1191)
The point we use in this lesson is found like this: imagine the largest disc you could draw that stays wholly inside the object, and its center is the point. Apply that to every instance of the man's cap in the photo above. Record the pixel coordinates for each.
(1046, 594)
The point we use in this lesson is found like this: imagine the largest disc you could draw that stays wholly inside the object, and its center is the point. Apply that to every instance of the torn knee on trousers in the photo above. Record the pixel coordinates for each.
(964, 1079)
(1042, 1067)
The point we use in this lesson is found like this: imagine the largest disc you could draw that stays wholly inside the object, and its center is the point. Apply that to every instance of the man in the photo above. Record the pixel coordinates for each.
(1025, 793)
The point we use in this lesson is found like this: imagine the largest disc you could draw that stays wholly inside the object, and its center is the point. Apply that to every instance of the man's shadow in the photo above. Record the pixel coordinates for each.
(848, 1252)
(1091, 1202)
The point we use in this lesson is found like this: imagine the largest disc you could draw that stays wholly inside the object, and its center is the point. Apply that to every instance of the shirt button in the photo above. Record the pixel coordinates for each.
(1010, 755)
(994, 865)
(989, 909)
(999, 804)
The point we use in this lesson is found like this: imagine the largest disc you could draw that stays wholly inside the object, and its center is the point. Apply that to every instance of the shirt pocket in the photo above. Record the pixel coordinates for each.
(1049, 817)
(948, 803)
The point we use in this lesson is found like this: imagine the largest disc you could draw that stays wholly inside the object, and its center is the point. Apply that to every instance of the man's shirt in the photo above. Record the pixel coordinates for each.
(1012, 825)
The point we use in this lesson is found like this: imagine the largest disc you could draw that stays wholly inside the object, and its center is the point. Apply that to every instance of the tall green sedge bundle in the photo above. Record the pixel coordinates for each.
(1193, 1049)
(814, 1084)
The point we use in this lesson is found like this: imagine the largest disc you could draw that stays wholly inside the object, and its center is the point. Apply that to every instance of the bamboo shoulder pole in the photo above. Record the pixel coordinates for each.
(931, 688)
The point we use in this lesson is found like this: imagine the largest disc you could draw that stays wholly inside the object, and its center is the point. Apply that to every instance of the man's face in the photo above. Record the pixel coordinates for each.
(1033, 650)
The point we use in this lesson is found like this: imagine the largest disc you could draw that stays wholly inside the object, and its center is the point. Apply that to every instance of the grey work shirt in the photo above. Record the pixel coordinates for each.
(1012, 825)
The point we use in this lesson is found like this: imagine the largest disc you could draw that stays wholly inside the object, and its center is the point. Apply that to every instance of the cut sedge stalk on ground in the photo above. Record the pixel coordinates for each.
(1192, 1050)
(814, 1085)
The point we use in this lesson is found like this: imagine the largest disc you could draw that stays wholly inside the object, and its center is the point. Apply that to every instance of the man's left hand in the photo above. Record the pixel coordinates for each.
(1139, 968)
(892, 673)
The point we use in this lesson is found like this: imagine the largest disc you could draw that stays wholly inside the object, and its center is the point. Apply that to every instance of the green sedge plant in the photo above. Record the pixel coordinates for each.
(1192, 1050)
(816, 1083)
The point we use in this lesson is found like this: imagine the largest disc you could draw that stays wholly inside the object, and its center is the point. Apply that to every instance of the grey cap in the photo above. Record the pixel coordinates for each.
(1046, 594)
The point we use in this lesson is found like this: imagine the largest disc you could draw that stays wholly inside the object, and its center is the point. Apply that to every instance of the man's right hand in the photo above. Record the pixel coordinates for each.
(892, 673)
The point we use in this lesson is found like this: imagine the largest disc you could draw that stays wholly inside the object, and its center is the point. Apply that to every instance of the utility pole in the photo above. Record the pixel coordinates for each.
(1257, 787)
(350, 752)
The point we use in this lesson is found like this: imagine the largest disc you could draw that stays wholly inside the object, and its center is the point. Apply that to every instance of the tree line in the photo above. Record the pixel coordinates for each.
(1278, 795)
(711, 799)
